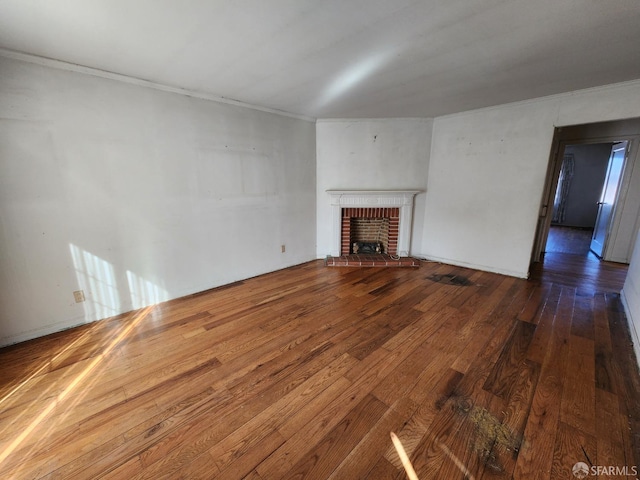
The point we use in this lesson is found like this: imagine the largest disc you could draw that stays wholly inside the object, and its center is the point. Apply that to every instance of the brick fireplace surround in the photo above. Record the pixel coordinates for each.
(357, 207)
(352, 217)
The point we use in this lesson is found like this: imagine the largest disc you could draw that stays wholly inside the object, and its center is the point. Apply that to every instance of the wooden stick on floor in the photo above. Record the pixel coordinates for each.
(411, 473)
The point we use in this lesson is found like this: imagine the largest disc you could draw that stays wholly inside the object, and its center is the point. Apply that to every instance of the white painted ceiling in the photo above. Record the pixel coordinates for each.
(341, 58)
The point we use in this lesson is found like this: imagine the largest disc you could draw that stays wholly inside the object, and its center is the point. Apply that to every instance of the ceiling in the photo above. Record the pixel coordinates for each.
(341, 58)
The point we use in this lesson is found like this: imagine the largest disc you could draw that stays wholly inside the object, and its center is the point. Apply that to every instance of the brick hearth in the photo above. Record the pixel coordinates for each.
(379, 260)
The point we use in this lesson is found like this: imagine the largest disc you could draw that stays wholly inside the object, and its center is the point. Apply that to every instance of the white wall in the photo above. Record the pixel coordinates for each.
(631, 298)
(381, 154)
(136, 195)
(487, 171)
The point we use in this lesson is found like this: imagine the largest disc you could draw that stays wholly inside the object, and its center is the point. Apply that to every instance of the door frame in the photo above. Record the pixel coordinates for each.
(602, 132)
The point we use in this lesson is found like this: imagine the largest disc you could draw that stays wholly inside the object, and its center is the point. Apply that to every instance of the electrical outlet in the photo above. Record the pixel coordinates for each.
(79, 296)
(283, 248)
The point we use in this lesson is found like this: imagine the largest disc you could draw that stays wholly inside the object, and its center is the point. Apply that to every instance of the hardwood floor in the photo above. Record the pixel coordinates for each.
(569, 240)
(586, 273)
(303, 373)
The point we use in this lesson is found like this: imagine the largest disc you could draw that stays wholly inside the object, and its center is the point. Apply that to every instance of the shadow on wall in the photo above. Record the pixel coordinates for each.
(97, 279)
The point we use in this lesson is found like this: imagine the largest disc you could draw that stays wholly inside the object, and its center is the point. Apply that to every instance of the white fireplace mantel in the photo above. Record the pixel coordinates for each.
(402, 199)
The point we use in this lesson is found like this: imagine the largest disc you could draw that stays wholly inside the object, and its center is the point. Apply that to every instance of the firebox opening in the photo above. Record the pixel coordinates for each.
(367, 247)
(369, 235)
(375, 226)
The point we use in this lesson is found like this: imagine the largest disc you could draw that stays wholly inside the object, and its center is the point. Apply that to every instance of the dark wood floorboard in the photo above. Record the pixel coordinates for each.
(304, 372)
(587, 273)
(569, 240)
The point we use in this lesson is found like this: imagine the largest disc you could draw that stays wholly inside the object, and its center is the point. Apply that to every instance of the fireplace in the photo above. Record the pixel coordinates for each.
(385, 217)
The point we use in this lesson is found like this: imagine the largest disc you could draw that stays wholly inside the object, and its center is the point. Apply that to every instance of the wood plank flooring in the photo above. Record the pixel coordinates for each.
(569, 240)
(303, 373)
(586, 273)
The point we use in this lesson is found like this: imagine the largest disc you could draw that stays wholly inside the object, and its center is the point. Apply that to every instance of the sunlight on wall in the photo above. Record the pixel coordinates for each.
(143, 292)
(96, 277)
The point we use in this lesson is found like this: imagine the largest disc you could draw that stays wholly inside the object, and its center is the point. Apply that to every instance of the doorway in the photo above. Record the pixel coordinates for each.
(623, 222)
(588, 174)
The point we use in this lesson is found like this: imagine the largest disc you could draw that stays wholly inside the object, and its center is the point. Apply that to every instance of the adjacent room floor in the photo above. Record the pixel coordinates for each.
(303, 373)
(569, 240)
(568, 261)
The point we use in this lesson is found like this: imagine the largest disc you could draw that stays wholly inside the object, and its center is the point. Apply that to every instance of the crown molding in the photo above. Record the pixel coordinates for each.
(72, 67)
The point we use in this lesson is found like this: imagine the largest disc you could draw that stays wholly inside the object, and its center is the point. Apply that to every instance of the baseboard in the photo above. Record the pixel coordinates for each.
(41, 332)
(76, 322)
(473, 266)
(635, 336)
